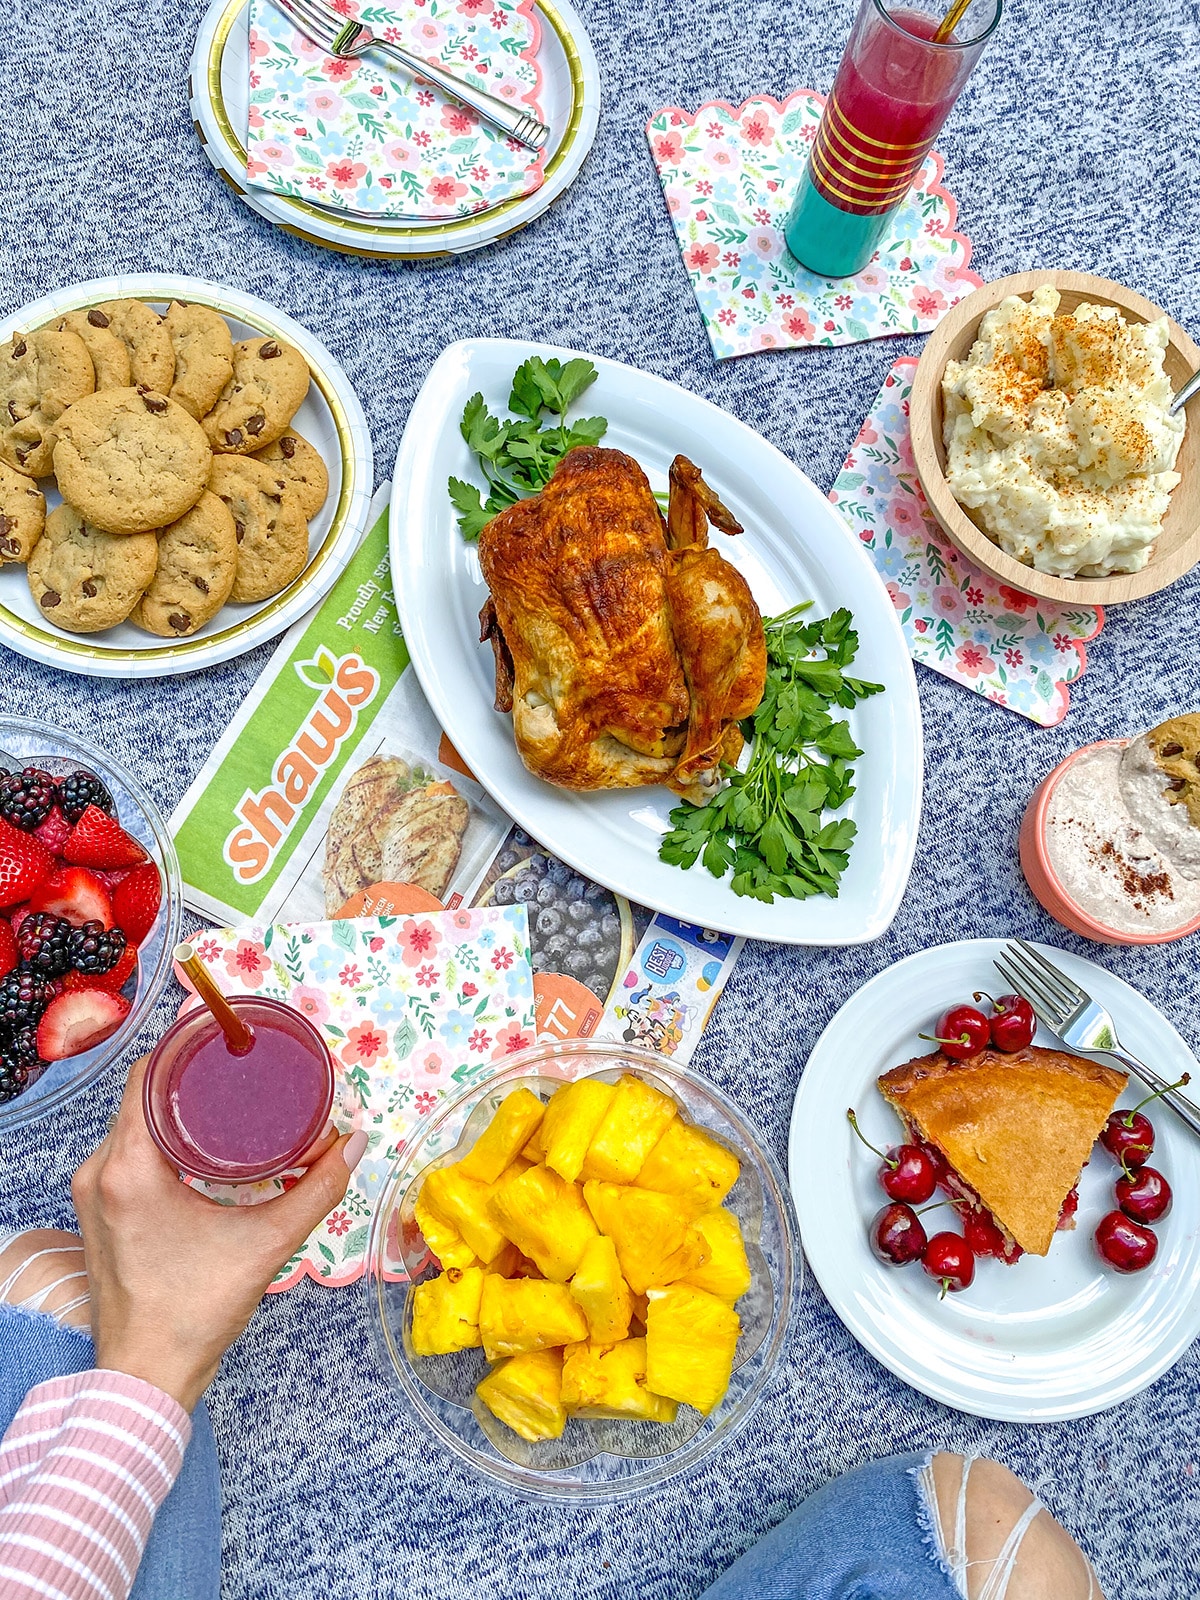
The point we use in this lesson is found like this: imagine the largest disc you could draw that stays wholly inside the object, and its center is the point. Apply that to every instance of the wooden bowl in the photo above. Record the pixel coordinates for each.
(1177, 548)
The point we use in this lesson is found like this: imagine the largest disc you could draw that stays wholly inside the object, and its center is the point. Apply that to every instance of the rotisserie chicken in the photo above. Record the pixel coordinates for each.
(626, 648)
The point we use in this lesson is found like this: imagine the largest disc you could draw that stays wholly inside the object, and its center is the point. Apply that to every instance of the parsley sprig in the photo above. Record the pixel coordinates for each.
(519, 455)
(768, 822)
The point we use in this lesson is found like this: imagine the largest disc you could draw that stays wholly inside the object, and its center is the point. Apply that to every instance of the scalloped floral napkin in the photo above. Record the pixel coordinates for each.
(360, 136)
(729, 175)
(1008, 646)
(414, 1010)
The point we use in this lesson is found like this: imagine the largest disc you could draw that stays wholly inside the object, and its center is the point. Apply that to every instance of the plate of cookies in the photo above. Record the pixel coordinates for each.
(184, 471)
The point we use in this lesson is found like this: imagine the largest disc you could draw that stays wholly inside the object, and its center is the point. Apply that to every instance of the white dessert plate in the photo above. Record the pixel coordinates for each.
(795, 548)
(1051, 1337)
(331, 418)
(218, 89)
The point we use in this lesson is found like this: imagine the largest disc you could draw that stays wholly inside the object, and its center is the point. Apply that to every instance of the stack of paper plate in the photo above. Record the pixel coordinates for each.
(218, 88)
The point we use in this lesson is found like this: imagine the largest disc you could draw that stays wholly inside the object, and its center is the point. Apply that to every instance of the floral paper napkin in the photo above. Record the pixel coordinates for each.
(362, 136)
(729, 176)
(414, 1010)
(999, 642)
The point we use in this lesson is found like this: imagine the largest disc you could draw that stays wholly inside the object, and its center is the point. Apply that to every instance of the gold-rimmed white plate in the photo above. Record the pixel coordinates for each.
(218, 90)
(331, 418)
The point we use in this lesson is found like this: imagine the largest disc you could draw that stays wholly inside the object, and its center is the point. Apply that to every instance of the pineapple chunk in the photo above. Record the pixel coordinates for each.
(446, 1312)
(463, 1202)
(545, 1218)
(609, 1380)
(534, 1149)
(726, 1273)
(525, 1393)
(527, 1314)
(691, 1337)
(507, 1264)
(637, 1322)
(687, 1161)
(655, 1237)
(442, 1237)
(516, 1117)
(572, 1117)
(602, 1292)
(635, 1121)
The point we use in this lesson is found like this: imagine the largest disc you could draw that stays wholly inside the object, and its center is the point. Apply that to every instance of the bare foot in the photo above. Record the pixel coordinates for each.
(58, 1270)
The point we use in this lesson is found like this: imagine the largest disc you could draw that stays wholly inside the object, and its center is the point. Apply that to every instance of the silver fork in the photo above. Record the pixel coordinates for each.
(333, 33)
(1082, 1024)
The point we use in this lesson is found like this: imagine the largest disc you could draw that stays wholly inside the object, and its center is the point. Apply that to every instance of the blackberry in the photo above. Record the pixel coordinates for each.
(24, 995)
(93, 948)
(26, 798)
(81, 789)
(19, 1063)
(43, 943)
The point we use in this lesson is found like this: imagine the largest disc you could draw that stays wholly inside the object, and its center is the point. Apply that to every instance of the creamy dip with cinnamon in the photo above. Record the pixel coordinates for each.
(1123, 854)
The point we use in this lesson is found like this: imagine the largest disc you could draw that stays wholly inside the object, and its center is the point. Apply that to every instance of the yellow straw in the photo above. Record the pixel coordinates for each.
(238, 1034)
(951, 21)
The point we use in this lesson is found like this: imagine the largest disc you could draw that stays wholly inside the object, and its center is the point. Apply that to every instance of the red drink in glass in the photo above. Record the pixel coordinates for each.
(895, 88)
(238, 1118)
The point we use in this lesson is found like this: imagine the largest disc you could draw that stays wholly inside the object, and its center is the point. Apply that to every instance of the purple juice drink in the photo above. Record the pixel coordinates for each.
(236, 1117)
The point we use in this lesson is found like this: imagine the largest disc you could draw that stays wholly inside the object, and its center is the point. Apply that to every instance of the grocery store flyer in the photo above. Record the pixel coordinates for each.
(334, 793)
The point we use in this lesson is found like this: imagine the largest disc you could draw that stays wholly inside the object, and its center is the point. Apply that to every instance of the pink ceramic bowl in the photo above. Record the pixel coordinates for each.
(1041, 877)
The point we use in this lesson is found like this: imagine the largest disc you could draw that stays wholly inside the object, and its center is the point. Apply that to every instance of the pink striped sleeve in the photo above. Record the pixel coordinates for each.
(84, 1466)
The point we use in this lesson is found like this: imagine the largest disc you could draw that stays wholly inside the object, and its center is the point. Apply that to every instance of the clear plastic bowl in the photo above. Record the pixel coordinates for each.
(35, 744)
(594, 1461)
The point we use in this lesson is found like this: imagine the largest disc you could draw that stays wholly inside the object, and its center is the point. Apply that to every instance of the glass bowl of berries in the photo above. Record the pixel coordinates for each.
(90, 902)
(581, 1272)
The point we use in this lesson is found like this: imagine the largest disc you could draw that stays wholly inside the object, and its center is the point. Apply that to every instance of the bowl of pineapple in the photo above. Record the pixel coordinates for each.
(582, 1271)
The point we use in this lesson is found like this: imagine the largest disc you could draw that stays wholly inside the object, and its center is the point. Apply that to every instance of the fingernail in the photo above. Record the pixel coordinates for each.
(354, 1149)
(330, 1127)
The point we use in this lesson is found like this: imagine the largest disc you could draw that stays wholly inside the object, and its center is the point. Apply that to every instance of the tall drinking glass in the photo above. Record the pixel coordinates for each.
(894, 90)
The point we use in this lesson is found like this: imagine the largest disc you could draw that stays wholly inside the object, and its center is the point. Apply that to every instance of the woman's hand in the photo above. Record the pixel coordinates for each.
(175, 1277)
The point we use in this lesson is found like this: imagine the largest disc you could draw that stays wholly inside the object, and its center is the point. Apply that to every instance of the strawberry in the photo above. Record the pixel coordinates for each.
(77, 1020)
(76, 894)
(8, 948)
(24, 863)
(136, 900)
(114, 980)
(53, 832)
(98, 840)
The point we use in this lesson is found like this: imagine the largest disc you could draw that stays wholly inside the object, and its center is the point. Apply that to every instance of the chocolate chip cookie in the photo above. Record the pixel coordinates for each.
(1176, 747)
(41, 374)
(130, 459)
(269, 382)
(203, 347)
(272, 535)
(85, 580)
(197, 562)
(110, 359)
(298, 465)
(144, 334)
(22, 514)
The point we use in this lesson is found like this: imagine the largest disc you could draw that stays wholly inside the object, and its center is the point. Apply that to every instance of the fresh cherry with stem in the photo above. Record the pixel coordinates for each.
(1127, 1245)
(1012, 1022)
(907, 1172)
(897, 1236)
(949, 1257)
(1128, 1136)
(1143, 1194)
(962, 1031)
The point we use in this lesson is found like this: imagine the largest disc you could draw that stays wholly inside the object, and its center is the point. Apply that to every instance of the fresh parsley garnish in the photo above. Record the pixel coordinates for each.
(518, 456)
(768, 822)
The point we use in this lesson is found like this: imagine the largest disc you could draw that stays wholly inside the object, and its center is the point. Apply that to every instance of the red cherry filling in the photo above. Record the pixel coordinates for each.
(987, 1238)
